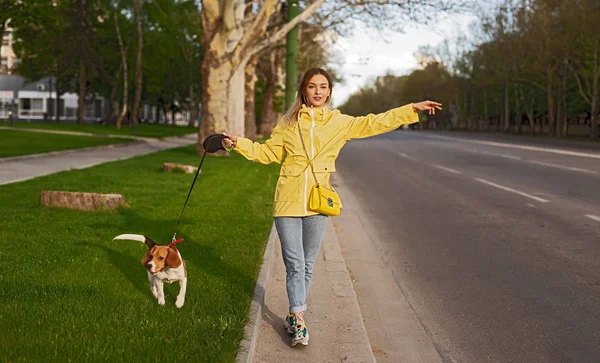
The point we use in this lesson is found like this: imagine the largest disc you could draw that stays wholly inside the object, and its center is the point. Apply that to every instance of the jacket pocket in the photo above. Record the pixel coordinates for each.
(324, 166)
(288, 185)
(323, 170)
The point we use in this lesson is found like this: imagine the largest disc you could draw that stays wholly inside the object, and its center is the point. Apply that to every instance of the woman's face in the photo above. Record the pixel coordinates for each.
(317, 90)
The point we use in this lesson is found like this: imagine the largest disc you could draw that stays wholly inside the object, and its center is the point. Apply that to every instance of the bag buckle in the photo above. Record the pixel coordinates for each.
(330, 202)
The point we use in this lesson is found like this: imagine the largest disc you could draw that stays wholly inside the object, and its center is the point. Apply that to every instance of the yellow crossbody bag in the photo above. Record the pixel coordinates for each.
(322, 199)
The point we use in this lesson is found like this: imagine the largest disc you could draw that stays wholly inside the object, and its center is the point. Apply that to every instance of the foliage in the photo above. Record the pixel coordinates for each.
(50, 41)
(534, 63)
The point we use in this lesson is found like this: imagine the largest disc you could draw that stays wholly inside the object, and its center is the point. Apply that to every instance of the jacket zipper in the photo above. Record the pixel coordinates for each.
(312, 148)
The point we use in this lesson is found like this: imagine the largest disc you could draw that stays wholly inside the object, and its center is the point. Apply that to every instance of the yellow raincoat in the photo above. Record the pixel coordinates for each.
(324, 132)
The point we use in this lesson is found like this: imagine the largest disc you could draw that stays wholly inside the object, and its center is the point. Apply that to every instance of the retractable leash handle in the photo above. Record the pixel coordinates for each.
(211, 144)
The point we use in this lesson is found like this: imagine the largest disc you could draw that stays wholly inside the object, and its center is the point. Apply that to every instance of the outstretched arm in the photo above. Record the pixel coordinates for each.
(272, 151)
(371, 125)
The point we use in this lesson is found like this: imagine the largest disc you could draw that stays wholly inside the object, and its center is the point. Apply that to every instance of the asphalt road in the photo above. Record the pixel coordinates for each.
(493, 240)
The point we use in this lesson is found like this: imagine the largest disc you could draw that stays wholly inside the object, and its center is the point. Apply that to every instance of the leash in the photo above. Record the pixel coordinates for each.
(211, 144)
(186, 200)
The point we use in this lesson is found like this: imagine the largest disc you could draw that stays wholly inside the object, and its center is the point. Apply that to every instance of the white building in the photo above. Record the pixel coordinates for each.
(37, 101)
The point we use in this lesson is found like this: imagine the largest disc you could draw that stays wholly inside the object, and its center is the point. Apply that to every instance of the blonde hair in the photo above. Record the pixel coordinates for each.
(291, 115)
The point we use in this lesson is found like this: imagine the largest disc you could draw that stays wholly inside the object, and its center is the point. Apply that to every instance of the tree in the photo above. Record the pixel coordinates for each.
(82, 16)
(584, 64)
(40, 44)
(123, 51)
(137, 8)
(230, 37)
(7, 9)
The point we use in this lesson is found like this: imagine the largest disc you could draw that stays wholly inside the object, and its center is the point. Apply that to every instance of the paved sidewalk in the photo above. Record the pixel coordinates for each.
(336, 329)
(21, 169)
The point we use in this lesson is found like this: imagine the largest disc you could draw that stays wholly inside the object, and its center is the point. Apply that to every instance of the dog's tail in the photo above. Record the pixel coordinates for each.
(136, 237)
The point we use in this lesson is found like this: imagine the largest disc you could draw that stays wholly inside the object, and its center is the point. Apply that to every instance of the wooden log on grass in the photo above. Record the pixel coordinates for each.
(188, 169)
(81, 201)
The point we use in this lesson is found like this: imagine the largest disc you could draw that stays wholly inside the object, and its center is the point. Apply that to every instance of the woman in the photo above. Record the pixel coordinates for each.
(324, 133)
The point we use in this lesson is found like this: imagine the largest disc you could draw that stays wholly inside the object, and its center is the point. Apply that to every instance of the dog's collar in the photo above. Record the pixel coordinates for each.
(172, 244)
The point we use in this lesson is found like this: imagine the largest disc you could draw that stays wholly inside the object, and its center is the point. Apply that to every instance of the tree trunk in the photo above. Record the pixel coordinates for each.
(138, 62)
(80, 200)
(157, 113)
(124, 67)
(216, 78)
(249, 106)
(473, 111)
(550, 98)
(81, 100)
(518, 113)
(229, 40)
(531, 120)
(82, 67)
(506, 107)
(193, 108)
(57, 99)
(594, 116)
(113, 95)
(559, 102)
(486, 115)
(173, 112)
(267, 117)
(594, 103)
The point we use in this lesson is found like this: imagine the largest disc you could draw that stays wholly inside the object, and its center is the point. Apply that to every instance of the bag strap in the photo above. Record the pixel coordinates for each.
(306, 152)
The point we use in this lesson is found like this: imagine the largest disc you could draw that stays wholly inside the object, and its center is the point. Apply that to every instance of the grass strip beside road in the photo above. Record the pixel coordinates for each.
(70, 293)
(18, 143)
(141, 130)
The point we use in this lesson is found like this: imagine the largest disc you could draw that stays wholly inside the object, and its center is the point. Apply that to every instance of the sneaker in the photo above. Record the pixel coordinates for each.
(300, 331)
(290, 321)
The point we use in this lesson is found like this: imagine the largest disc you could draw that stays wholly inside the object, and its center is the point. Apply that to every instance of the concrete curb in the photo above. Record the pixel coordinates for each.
(343, 286)
(252, 328)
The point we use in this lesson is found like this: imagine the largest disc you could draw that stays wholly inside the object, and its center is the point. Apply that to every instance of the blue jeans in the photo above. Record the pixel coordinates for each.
(300, 239)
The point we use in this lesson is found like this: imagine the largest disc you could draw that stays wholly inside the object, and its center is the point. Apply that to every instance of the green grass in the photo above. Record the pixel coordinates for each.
(16, 143)
(142, 130)
(69, 293)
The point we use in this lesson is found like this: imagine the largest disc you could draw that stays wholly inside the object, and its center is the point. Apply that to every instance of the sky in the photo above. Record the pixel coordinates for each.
(364, 55)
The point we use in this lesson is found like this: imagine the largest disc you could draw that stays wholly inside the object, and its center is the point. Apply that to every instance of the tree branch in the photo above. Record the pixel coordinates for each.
(285, 29)
(581, 90)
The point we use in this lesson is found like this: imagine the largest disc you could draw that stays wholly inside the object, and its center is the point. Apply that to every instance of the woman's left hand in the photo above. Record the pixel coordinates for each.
(430, 106)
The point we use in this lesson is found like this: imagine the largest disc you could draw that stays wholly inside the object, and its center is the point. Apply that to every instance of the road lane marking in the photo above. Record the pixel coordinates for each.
(448, 169)
(541, 200)
(515, 146)
(408, 157)
(510, 157)
(591, 216)
(562, 167)
(559, 166)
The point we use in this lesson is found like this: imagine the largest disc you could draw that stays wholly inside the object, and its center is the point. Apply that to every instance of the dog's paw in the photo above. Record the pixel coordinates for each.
(161, 301)
(155, 292)
(179, 302)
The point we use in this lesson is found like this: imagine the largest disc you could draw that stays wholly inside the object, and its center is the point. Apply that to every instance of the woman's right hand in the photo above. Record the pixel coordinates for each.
(229, 141)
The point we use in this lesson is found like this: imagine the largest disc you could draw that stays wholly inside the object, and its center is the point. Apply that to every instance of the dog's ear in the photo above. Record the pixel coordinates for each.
(172, 260)
(147, 257)
(150, 243)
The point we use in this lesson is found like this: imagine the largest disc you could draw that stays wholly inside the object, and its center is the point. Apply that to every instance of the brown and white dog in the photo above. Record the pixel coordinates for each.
(163, 264)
